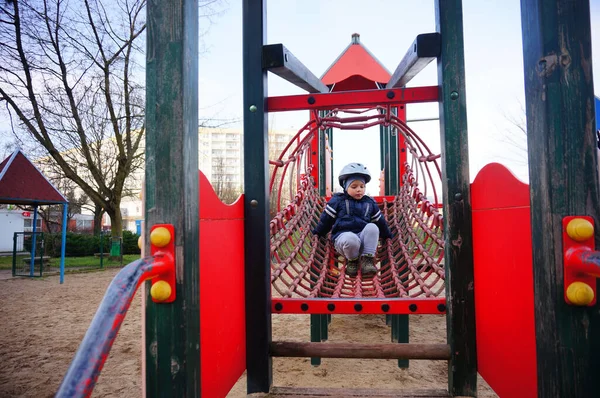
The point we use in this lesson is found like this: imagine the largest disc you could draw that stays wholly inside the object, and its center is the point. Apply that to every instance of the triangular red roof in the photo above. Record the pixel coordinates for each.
(356, 67)
(22, 183)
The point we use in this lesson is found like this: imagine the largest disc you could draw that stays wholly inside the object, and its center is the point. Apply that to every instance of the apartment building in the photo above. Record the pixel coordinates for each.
(220, 158)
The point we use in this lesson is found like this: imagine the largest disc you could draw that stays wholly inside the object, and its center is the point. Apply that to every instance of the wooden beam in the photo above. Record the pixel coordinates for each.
(279, 60)
(458, 234)
(301, 392)
(563, 181)
(354, 350)
(256, 200)
(172, 343)
(424, 49)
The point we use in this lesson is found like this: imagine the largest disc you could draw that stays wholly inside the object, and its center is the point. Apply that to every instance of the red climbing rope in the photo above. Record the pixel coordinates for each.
(307, 275)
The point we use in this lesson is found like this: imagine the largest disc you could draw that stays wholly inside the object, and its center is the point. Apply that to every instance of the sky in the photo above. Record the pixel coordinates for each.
(317, 31)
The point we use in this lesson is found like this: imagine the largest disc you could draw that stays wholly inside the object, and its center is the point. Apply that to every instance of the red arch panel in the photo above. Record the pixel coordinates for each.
(504, 302)
(222, 308)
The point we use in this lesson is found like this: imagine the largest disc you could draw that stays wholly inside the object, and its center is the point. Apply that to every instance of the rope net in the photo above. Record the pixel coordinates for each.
(306, 266)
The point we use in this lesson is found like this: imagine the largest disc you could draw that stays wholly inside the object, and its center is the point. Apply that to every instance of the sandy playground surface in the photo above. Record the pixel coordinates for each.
(43, 323)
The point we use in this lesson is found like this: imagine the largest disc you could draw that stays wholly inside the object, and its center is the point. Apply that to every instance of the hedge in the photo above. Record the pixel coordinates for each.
(82, 245)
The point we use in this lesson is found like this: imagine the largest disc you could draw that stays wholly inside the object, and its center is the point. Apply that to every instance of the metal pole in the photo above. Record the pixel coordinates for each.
(33, 241)
(63, 245)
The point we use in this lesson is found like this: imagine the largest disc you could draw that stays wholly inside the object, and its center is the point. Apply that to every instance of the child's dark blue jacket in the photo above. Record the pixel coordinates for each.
(347, 214)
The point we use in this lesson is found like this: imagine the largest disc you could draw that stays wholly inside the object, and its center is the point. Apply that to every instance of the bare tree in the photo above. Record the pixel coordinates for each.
(223, 187)
(516, 137)
(68, 77)
(52, 215)
(288, 188)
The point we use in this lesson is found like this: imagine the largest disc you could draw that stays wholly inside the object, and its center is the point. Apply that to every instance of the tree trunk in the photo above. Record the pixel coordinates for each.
(98, 213)
(116, 222)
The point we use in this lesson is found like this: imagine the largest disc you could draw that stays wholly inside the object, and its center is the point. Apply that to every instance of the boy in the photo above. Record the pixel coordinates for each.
(356, 220)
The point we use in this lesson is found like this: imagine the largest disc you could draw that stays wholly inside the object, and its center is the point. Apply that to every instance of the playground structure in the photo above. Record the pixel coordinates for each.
(477, 264)
(21, 183)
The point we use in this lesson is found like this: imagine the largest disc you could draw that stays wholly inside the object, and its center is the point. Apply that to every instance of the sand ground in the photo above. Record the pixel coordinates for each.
(43, 323)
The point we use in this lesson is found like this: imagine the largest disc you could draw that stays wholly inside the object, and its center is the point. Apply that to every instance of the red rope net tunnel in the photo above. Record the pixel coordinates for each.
(306, 269)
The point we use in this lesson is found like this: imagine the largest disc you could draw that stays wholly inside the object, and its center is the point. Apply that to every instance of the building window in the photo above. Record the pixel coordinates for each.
(28, 222)
(84, 225)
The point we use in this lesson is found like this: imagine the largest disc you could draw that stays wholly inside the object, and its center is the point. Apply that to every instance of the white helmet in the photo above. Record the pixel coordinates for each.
(354, 169)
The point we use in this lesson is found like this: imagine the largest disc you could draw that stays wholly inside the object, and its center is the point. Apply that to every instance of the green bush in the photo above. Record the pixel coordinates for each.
(81, 245)
(130, 243)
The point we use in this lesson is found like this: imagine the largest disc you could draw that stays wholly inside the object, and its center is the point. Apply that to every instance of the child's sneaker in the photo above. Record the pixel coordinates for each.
(367, 265)
(352, 267)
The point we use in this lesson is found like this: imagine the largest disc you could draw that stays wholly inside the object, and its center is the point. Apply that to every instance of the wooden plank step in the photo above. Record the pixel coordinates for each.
(303, 392)
(355, 350)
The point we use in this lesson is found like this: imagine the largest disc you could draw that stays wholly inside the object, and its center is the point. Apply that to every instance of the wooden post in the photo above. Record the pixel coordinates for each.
(563, 177)
(256, 200)
(462, 370)
(172, 342)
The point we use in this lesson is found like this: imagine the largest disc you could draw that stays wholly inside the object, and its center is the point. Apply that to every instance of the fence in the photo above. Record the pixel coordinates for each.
(35, 261)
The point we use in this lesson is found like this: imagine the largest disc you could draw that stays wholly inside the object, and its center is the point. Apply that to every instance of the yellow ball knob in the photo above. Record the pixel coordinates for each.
(140, 242)
(160, 291)
(580, 293)
(160, 237)
(580, 229)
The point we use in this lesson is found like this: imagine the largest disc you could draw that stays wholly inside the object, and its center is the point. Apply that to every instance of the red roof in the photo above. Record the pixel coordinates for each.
(22, 183)
(356, 69)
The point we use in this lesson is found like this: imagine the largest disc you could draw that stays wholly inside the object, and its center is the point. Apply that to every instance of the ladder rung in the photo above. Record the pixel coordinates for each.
(354, 350)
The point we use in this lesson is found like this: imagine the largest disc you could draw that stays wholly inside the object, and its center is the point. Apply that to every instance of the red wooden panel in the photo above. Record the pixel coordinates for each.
(356, 59)
(222, 308)
(497, 187)
(504, 303)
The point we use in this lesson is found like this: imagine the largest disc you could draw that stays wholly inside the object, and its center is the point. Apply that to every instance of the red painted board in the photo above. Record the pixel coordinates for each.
(222, 308)
(353, 99)
(356, 59)
(504, 301)
(434, 305)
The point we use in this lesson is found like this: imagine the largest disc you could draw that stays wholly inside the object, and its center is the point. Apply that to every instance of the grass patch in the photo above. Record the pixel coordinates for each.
(72, 262)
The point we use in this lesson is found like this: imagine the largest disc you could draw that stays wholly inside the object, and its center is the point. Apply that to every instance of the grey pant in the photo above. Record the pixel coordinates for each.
(351, 245)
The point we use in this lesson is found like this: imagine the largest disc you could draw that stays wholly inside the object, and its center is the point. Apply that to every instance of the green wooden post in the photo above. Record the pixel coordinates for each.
(315, 335)
(393, 157)
(563, 175)
(101, 249)
(332, 178)
(319, 323)
(173, 330)
(462, 367)
(381, 148)
(389, 161)
(256, 200)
